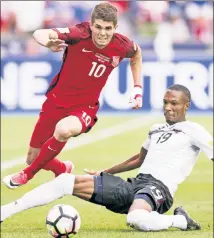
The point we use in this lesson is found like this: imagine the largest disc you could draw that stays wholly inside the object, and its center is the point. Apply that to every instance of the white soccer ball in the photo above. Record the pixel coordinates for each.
(63, 221)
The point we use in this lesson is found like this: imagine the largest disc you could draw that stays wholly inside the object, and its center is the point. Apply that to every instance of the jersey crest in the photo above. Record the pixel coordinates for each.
(115, 60)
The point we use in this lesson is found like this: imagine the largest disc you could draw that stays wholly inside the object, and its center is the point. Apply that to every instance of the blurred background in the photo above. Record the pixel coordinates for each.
(176, 38)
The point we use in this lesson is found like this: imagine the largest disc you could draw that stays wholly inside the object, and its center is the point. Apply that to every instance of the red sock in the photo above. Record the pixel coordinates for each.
(49, 151)
(55, 166)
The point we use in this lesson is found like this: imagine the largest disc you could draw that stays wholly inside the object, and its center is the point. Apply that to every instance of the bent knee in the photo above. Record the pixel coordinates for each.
(67, 128)
(139, 219)
(64, 177)
(30, 160)
(65, 181)
(62, 133)
(32, 154)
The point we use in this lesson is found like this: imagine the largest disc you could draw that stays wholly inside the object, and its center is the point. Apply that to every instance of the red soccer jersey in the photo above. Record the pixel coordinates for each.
(85, 67)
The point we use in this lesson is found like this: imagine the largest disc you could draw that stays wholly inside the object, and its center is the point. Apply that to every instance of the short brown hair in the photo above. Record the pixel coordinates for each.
(105, 12)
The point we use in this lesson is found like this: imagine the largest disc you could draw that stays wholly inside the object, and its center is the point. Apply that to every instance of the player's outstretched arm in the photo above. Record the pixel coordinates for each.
(130, 164)
(136, 68)
(49, 39)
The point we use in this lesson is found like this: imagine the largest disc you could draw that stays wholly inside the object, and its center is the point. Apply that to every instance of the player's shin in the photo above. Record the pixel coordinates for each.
(153, 221)
(44, 194)
(49, 151)
(56, 166)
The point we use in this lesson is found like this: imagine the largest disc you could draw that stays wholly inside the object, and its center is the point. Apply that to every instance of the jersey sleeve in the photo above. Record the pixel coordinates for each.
(74, 33)
(128, 46)
(203, 140)
(146, 144)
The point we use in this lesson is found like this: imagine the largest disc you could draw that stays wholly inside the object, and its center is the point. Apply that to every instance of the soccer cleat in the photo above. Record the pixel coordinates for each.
(191, 224)
(15, 180)
(69, 166)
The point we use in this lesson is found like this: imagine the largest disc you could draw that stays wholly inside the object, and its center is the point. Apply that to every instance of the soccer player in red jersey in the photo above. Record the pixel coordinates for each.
(91, 51)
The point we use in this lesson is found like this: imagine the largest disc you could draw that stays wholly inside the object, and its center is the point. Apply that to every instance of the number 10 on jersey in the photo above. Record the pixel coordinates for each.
(97, 70)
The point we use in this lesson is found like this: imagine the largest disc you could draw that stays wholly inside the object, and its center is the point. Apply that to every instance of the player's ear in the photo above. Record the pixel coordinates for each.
(90, 25)
(187, 105)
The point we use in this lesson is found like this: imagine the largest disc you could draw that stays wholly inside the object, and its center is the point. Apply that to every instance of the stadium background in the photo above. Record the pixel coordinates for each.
(176, 38)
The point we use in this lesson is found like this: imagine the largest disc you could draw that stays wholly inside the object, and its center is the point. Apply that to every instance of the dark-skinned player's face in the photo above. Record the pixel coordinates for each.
(175, 105)
(102, 32)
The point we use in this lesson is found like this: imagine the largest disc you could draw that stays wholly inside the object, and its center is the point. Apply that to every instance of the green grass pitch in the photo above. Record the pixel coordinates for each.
(195, 194)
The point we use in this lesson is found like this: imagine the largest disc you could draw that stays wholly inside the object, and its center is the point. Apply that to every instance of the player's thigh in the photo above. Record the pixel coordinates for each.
(141, 204)
(45, 126)
(31, 154)
(157, 194)
(86, 115)
(68, 127)
(115, 193)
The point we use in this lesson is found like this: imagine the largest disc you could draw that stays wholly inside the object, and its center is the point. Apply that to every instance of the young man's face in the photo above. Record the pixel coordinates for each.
(102, 32)
(175, 105)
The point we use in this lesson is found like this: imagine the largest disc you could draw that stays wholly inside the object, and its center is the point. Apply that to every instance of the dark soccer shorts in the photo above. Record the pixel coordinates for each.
(118, 195)
(50, 114)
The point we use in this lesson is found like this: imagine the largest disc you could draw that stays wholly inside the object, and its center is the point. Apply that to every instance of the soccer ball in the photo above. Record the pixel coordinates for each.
(63, 221)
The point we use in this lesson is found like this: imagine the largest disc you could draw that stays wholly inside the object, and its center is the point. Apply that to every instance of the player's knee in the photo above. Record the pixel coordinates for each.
(63, 131)
(139, 219)
(31, 155)
(29, 161)
(65, 182)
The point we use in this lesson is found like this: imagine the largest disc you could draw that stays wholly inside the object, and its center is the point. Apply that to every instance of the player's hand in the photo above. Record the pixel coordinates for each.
(93, 172)
(56, 45)
(136, 97)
